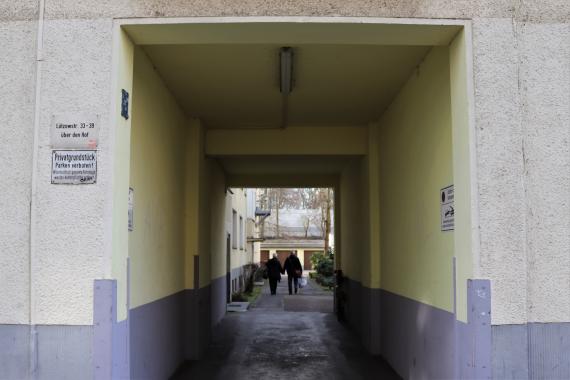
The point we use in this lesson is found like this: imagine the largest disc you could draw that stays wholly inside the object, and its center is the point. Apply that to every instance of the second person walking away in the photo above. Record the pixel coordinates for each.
(274, 271)
(294, 271)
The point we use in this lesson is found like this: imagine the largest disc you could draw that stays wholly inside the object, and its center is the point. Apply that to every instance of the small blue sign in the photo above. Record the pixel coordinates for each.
(125, 104)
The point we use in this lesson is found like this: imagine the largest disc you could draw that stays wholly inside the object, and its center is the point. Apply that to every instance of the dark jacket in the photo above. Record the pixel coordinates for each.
(291, 264)
(274, 269)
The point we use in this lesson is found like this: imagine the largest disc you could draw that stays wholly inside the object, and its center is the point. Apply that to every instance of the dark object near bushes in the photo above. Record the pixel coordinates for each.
(260, 273)
(239, 297)
(325, 281)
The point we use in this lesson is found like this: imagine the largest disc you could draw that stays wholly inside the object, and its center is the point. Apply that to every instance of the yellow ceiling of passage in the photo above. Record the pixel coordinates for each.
(237, 85)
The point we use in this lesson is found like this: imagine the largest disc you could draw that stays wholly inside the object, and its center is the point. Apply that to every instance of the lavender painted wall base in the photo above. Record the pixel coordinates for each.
(218, 300)
(197, 322)
(166, 332)
(363, 313)
(157, 337)
(419, 340)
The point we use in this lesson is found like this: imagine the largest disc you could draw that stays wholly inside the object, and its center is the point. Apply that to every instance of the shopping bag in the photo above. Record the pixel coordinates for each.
(302, 282)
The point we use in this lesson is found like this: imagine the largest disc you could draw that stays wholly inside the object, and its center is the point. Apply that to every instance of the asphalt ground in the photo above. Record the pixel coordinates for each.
(286, 337)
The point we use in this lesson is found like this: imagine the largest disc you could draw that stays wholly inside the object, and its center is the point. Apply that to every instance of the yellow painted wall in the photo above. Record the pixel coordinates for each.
(371, 209)
(198, 212)
(192, 200)
(124, 51)
(350, 140)
(416, 162)
(462, 163)
(353, 220)
(220, 226)
(157, 166)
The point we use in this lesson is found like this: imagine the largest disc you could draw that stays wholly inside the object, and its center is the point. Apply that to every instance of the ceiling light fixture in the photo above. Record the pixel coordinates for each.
(285, 81)
(286, 70)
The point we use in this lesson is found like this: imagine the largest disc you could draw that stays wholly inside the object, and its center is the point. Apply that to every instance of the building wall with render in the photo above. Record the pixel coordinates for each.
(157, 239)
(521, 111)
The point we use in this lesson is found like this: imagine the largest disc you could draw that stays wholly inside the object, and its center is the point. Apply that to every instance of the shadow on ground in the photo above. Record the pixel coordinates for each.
(269, 342)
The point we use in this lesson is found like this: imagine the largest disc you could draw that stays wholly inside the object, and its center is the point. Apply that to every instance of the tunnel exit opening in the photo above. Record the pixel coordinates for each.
(379, 110)
(298, 222)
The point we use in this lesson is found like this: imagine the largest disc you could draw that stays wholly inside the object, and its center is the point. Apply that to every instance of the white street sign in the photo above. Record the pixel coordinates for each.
(73, 167)
(74, 131)
(447, 208)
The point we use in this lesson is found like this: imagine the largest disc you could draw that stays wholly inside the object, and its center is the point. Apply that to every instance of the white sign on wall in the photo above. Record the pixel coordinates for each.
(447, 197)
(74, 131)
(73, 167)
(131, 205)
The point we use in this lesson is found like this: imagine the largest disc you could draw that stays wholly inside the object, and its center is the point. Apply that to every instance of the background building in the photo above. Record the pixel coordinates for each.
(393, 103)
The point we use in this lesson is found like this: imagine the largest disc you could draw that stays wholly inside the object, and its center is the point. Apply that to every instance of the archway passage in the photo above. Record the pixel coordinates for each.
(373, 112)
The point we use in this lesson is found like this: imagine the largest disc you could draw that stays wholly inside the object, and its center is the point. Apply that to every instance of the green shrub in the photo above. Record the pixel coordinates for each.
(326, 267)
(316, 259)
(327, 281)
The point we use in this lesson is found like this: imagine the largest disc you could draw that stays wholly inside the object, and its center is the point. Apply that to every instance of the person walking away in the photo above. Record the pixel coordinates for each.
(294, 271)
(274, 271)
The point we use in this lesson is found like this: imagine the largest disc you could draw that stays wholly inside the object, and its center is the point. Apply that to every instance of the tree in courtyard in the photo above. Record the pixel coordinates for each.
(325, 203)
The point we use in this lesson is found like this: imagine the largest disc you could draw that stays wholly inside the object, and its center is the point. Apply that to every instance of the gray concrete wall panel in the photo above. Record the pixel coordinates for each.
(104, 317)
(549, 346)
(64, 352)
(110, 338)
(479, 316)
(25, 10)
(500, 167)
(17, 94)
(545, 97)
(464, 352)
(71, 220)
(544, 10)
(121, 357)
(510, 352)
(531, 351)
(14, 362)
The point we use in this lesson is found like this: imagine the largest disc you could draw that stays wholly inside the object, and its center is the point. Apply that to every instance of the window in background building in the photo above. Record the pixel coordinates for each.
(234, 229)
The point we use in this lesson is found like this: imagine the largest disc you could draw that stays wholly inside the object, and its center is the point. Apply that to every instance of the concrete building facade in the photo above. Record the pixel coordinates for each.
(470, 94)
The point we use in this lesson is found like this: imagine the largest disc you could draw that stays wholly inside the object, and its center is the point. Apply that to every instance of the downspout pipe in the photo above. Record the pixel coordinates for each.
(33, 336)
